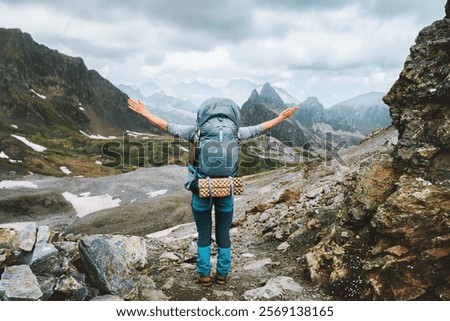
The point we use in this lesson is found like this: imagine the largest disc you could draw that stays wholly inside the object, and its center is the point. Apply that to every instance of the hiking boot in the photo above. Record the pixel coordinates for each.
(205, 280)
(221, 279)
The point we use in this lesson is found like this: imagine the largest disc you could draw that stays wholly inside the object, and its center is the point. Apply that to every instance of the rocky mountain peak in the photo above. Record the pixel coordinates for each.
(312, 102)
(16, 39)
(159, 94)
(254, 95)
(13, 37)
(267, 105)
(270, 96)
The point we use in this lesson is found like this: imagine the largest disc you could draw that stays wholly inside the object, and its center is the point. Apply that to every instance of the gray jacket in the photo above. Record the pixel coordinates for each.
(187, 131)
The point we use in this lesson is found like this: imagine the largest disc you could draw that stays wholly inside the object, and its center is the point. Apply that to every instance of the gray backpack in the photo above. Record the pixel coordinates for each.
(217, 138)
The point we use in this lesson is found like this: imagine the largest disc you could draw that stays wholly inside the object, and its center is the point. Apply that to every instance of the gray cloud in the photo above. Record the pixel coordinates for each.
(307, 4)
(388, 8)
(310, 46)
(225, 20)
(229, 20)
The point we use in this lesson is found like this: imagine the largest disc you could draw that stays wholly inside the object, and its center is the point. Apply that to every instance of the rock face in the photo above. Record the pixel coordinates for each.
(416, 216)
(391, 236)
(447, 10)
(419, 106)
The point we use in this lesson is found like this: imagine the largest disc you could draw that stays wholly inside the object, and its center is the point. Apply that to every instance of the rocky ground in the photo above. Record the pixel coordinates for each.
(276, 222)
(260, 271)
(299, 233)
(265, 266)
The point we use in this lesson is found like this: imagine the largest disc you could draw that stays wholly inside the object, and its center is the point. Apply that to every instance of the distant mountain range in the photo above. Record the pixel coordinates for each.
(54, 99)
(357, 117)
(363, 113)
(196, 92)
(179, 103)
(349, 120)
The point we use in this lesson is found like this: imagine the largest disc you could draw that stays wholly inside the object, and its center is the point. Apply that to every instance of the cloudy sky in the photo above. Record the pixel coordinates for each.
(331, 49)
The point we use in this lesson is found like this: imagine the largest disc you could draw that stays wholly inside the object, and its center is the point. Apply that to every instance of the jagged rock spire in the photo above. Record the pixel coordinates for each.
(270, 96)
(254, 95)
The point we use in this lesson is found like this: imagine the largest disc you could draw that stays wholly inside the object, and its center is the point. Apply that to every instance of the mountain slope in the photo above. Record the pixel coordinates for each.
(53, 100)
(43, 89)
(364, 113)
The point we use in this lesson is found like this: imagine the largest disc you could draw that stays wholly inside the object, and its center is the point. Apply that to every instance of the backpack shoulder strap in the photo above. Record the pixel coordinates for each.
(194, 147)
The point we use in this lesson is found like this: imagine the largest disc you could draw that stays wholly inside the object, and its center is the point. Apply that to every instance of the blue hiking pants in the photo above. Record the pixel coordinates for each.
(202, 212)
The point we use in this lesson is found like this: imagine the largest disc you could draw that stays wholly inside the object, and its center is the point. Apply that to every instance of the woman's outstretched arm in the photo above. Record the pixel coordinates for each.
(139, 107)
(283, 115)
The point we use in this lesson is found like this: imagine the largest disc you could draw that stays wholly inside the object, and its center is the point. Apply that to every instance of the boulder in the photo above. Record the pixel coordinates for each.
(16, 238)
(47, 285)
(112, 261)
(274, 288)
(43, 258)
(19, 283)
(107, 297)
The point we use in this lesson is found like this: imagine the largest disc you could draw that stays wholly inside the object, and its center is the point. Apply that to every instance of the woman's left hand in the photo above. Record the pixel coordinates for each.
(288, 112)
(137, 105)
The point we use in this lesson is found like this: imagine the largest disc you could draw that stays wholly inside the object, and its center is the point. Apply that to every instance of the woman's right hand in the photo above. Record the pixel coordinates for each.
(137, 106)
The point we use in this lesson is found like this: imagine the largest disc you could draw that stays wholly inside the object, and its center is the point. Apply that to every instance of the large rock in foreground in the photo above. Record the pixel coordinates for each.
(14, 239)
(420, 108)
(37, 263)
(113, 261)
(18, 283)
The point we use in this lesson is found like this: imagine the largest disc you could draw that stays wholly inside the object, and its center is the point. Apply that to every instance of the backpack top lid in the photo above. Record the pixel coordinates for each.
(218, 107)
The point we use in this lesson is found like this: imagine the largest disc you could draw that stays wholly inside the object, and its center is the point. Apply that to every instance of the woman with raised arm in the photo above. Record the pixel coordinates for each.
(202, 207)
